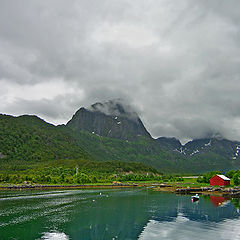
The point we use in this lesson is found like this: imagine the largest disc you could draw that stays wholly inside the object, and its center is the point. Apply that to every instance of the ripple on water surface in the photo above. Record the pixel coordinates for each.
(115, 214)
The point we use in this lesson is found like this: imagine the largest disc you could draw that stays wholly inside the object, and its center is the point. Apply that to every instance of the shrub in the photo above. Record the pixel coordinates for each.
(236, 178)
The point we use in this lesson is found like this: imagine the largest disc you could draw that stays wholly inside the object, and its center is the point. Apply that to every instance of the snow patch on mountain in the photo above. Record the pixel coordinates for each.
(181, 150)
(194, 152)
(236, 154)
(208, 144)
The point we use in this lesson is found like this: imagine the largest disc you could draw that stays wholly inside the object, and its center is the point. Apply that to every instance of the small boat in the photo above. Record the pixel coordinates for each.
(195, 198)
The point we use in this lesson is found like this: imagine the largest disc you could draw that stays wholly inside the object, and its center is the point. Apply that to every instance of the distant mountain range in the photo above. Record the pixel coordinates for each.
(109, 131)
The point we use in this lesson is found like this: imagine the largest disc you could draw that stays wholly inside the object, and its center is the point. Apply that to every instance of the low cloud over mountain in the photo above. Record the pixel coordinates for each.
(176, 62)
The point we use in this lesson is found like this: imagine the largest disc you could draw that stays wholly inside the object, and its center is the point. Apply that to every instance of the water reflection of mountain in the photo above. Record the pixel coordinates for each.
(125, 214)
(202, 220)
(113, 214)
(199, 211)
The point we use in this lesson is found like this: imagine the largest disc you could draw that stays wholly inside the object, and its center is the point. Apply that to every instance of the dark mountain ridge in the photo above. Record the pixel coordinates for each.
(109, 119)
(198, 147)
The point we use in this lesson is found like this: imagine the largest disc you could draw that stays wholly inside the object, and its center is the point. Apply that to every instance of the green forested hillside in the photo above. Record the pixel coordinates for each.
(145, 150)
(28, 139)
(153, 153)
(28, 143)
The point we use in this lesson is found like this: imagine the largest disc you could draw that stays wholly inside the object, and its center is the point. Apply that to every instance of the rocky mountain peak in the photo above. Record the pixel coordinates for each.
(170, 143)
(109, 119)
(114, 108)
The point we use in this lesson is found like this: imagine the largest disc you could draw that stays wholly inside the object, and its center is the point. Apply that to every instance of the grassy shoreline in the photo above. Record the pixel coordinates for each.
(173, 187)
(45, 187)
(187, 185)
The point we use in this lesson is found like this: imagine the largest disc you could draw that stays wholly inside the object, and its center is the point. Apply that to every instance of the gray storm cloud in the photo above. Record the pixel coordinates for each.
(176, 62)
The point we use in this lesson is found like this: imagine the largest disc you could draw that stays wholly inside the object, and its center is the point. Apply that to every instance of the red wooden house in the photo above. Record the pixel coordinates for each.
(219, 180)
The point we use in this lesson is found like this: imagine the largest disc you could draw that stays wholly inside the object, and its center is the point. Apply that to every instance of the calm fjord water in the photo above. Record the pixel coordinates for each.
(115, 214)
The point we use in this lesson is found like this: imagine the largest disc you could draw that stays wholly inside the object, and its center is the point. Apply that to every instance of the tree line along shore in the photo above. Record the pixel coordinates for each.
(67, 178)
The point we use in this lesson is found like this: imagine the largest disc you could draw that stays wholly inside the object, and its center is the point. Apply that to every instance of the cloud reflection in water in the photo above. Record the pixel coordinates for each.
(184, 229)
(54, 236)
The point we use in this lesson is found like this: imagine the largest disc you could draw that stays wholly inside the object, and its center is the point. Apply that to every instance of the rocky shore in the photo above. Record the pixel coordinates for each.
(233, 192)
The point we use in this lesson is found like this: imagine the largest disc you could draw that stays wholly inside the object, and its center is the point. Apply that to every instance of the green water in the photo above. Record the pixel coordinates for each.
(115, 214)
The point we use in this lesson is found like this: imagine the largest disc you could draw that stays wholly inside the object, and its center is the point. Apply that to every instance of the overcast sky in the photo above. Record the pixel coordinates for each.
(177, 62)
